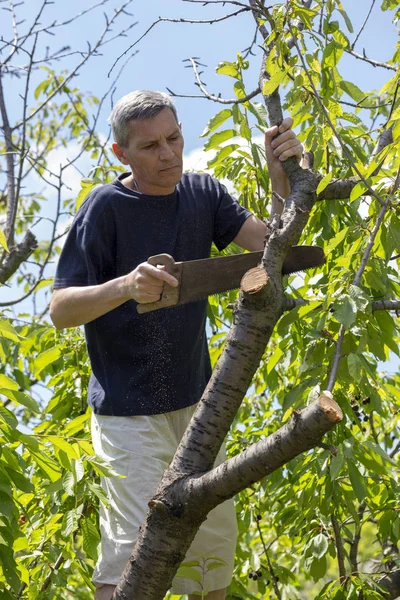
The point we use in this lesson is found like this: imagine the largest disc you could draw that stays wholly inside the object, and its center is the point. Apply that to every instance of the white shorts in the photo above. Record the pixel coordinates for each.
(141, 448)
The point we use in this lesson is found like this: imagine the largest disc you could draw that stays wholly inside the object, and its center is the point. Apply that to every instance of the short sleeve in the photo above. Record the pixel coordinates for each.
(229, 218)
(87, 257)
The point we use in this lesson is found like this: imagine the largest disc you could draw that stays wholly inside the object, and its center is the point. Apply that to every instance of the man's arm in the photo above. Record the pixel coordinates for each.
(74, 306)
(252, 233)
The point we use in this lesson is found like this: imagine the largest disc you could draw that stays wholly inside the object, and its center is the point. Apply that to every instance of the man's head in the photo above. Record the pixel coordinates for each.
(148, 138)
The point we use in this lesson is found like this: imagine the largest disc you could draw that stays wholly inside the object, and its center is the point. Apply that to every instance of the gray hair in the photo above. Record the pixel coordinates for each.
(137, 106)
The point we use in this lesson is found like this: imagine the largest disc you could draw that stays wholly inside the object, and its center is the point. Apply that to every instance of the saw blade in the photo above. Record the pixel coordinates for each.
(208, 276)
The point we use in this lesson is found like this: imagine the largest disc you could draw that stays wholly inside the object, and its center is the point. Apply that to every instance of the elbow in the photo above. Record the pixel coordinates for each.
(57, 315)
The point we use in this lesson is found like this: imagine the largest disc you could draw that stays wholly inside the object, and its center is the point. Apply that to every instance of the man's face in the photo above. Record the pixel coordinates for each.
(154, 153)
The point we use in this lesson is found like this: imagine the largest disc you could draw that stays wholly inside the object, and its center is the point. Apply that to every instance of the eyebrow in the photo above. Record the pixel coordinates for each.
(148, 142)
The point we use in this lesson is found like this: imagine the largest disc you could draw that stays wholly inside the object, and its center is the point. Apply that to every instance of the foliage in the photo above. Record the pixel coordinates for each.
(288, 547)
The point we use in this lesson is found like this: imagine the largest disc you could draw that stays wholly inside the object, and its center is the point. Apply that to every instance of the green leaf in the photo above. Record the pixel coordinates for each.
(8, 331)
(355, 366)
(218, 138)
(356, 481)
(360, 298)
(20, 481)
(357, 191)
(90, 538)
(324, 182)
(376, 449)
(189, 573)
(7, 382)
(319, 545)
(45, 359)
(336, 465)
(352, 90)
(273, 83)
(318, 568)
(222, 154)
(345, 310)
(337, 239)
(259, 111)
(68, 481)
(64, 445)
(10, 568)
(21, 398)
(3, 241)
(216, 121)
(347, 20)
(228, 68)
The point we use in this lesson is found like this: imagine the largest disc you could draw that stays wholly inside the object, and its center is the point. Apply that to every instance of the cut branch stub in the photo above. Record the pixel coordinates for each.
(254, 280)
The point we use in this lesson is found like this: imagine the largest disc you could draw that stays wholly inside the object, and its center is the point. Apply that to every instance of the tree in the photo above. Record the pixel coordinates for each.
(314, 514)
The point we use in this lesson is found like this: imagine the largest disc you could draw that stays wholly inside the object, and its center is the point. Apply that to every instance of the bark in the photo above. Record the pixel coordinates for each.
(391, 583)
(18, 254)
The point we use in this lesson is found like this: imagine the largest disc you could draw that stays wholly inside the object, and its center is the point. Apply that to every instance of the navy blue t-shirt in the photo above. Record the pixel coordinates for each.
(156, 362)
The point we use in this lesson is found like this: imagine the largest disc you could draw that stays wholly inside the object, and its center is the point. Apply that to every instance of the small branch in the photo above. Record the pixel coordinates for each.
(18, 254)
(180, 20)
(291, 303)
(363, 25)
(339, 547)
(270, 567)
(215, 98)
(374, 63)
(356, 539)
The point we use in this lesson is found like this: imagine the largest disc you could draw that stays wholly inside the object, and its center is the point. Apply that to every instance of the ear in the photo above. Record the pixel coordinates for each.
(119, 152)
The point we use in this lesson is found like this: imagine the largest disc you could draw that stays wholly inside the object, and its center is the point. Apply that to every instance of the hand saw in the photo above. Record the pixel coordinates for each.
(204, 277)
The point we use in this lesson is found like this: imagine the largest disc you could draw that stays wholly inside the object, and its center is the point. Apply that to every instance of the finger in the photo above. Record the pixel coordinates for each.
(283, 137)
(286, 124)
(161, 274)
(295, 150)
(145, 298)
(270, 133)
(293, 143)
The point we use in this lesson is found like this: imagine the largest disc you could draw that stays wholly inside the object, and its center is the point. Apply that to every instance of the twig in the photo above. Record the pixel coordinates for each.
(374, 63)
(339, 547)
(179, 20)
(215, 98)
(363, 25)
(270, 567)
(356, 539)
(72, 74)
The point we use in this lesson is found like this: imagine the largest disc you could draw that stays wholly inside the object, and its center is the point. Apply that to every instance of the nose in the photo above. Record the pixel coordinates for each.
(166, 153)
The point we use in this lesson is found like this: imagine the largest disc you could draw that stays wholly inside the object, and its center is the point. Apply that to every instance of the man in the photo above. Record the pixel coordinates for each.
(149, 371)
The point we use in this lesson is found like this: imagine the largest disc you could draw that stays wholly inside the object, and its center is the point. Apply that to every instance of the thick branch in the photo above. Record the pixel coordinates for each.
(18, 254)
(303, 432)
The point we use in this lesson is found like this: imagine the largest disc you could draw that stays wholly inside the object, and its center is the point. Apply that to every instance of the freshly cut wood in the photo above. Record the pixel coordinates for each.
(254, 280)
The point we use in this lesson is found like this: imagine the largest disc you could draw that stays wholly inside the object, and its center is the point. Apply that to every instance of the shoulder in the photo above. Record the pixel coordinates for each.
(200, 182)
(97, 203)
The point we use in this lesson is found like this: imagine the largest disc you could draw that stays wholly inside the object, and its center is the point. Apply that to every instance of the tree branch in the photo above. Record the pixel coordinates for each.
(303, 432)
(179, 20)
(18, 254)
(339, 547)
(363, 25)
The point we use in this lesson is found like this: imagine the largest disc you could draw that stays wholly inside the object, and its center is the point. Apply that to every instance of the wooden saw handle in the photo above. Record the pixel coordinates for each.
(170, 295)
